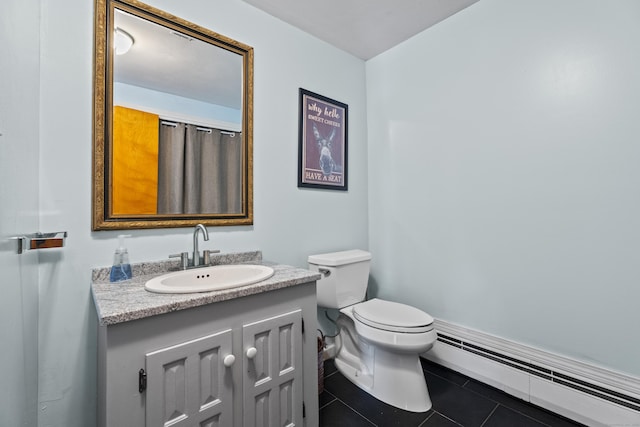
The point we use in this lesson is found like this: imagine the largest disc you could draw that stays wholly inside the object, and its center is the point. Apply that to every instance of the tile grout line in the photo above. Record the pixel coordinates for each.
(463, 386)
(443, 378)
(426, 419)
(345, 404)
(447, 418)
(328, 403)
(489, 416)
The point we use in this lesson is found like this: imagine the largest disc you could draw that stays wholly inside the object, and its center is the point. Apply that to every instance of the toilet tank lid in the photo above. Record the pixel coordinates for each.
(334, 259)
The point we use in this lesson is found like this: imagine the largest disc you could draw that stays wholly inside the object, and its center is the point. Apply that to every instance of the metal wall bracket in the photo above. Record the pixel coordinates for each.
(40, 241)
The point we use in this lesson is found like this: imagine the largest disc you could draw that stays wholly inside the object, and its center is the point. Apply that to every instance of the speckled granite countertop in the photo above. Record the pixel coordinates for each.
(125, 301)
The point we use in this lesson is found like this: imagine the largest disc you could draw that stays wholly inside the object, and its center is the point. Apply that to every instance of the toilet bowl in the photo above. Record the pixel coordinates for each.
(378, 342)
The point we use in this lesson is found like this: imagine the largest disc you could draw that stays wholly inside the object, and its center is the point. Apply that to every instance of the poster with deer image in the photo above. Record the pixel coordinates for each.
(322, 152)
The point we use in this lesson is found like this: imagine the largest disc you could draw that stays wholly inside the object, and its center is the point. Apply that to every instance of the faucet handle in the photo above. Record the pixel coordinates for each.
(206, 256)
(184, 259)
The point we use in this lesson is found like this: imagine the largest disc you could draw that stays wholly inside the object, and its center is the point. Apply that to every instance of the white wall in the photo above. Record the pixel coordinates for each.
(19, 115)
(175, 107)
(503, 174)
(289, 223)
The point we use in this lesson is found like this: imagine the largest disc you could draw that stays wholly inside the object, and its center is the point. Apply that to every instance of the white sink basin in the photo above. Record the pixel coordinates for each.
(207, 279)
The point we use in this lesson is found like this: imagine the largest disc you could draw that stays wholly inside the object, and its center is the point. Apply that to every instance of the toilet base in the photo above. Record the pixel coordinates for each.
(394, 378)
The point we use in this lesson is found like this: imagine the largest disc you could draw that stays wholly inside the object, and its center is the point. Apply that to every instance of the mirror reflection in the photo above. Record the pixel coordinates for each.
(177, 140)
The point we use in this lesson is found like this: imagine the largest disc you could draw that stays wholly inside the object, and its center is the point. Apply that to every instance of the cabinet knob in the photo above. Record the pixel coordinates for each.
(229, 360)
(251, 352)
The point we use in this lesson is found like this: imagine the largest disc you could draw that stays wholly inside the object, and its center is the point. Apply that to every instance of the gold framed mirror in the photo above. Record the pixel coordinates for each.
(173, 122)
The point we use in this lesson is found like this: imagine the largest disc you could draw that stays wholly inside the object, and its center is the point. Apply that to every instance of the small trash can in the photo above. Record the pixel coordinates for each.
(320, 364)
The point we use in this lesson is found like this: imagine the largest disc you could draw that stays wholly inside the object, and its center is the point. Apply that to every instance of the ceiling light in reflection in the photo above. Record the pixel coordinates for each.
(123, 41)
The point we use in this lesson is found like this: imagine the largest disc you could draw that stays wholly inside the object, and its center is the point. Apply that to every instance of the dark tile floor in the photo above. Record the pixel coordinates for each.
(457, 401)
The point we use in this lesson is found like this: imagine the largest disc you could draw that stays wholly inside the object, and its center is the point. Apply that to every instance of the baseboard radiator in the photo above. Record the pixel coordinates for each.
(585, 393)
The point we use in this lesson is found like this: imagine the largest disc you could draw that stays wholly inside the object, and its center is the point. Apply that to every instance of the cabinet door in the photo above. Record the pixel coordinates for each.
(189, 385)
(272, 386)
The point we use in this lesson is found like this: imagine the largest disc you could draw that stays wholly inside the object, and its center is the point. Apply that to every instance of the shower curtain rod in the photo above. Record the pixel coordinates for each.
(203, 129)
(224, 132)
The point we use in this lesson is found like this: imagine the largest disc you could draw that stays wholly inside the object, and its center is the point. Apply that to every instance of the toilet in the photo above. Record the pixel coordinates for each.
(378, 342)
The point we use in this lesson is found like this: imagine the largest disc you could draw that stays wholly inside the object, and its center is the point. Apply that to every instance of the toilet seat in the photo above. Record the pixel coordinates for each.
(392, 316)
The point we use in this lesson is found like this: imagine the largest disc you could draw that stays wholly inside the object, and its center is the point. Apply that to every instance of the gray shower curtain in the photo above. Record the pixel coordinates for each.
(199, 170)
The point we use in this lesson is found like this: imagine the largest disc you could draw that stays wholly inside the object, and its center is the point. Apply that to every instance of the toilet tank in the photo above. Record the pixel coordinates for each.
(344, 279)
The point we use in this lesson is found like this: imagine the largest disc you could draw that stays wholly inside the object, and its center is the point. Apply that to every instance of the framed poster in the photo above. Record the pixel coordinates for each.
(322, 151)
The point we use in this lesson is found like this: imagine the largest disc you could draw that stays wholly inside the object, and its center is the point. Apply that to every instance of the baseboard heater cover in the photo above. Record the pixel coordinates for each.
(540, 371)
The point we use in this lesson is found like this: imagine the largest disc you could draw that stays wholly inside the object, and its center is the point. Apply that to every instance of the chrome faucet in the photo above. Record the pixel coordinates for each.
(196, 261)
(196, 253)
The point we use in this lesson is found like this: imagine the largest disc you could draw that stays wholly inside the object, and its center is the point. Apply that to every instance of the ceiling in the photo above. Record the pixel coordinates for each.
(364, 28)
(160, 57)
(164, 60)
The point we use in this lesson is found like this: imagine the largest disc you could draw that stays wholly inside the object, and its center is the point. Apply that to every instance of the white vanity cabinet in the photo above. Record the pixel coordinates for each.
(249, 361)
(189, 383)
(272, 367)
